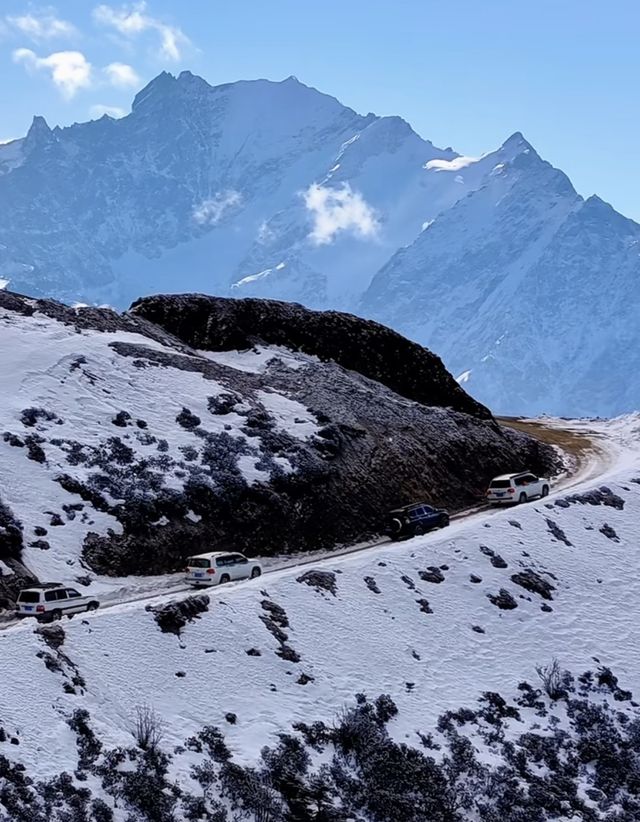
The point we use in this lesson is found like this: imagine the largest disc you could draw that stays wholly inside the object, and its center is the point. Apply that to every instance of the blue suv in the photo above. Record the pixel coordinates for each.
(413, 520)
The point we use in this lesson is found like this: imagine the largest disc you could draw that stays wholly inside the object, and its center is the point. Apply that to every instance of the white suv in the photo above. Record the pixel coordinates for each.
(522, 487)
(49, 601)
(219, 567)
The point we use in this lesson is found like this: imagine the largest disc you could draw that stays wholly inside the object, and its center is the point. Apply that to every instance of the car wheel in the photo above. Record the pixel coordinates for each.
(255, 573)
(522, 498)
(419, 530)
(545, 490)
(444, 522)
(56, 615)
(224, 579)
(93, 606)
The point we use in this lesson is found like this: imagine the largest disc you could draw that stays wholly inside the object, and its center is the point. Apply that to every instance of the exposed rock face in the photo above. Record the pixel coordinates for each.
(151, 449)
(371, 349)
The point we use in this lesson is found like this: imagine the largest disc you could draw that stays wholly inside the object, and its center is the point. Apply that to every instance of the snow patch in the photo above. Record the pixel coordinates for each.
(456, 164)
(212, 210)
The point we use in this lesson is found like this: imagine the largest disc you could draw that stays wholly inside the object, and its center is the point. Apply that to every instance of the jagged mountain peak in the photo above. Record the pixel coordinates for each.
(39, 135)
(161, 85)
(517, 141)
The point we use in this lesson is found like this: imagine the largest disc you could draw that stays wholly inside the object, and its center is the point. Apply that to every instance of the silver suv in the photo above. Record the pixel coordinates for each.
(49, 601)
(520, 487)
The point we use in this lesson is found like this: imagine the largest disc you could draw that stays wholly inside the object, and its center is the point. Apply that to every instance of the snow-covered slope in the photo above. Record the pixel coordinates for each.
(124, 449)
(276, 190)
(434, 623)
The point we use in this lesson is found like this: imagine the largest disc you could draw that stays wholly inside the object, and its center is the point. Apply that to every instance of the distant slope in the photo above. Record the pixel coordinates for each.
(527, 291)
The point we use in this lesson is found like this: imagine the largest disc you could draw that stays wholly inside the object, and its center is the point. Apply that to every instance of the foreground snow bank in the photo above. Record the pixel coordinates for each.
(433, 622)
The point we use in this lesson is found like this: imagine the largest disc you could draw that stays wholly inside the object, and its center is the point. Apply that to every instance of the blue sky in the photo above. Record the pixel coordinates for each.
(464, 74)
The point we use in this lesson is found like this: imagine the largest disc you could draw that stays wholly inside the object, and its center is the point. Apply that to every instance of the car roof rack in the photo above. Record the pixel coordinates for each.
(44, 585)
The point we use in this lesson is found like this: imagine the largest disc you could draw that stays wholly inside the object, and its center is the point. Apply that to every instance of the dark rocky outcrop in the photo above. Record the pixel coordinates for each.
(531, 581)
(320, 580)
(557, 532)
(503, 600)
(371, 349)
(173, 616)
(595, 496)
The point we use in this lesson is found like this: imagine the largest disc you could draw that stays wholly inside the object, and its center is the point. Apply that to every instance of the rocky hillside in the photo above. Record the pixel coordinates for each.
(370, 349)
(127, 445)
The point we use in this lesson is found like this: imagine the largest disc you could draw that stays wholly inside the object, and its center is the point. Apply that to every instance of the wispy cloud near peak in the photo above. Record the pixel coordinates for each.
(70, 71)
(131, 21)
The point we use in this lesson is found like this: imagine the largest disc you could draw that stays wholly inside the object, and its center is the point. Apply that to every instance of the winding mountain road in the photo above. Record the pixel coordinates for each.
(592, 451)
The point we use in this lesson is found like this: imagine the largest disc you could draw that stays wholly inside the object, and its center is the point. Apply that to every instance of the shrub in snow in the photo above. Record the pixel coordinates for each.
(12, 439)
(553, 679)
(578, 758)
(29, 417)
(188, 420)
(89, 746)
(148, 728)
(121, 419)
(223, 403)
(35, 451)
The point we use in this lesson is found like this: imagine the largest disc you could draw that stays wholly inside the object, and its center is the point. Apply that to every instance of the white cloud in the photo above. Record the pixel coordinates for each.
(121, 75)
(99, 110)
(211, 211)
(70, 70)
(130, 21)
(42, 26)
(339, 209)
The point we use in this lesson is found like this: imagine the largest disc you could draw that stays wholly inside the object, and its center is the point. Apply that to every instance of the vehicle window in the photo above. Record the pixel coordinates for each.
(198, 562)
(415, 513)
(222, 562)
(518, 481)
(531, 478)
(29, 596)
(500, 484)
(71, 592)
(427, 509)
(238, 559)
(61, 594)
(51, 596)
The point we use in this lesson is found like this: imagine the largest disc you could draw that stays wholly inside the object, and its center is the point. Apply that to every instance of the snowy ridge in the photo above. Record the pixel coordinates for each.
(72, 403)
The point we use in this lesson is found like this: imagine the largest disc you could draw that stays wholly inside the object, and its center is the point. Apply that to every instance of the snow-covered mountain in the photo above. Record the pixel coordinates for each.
(271, 189)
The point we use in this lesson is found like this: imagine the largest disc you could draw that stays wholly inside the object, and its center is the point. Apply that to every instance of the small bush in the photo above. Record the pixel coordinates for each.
(148, 729)
(552, 678)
